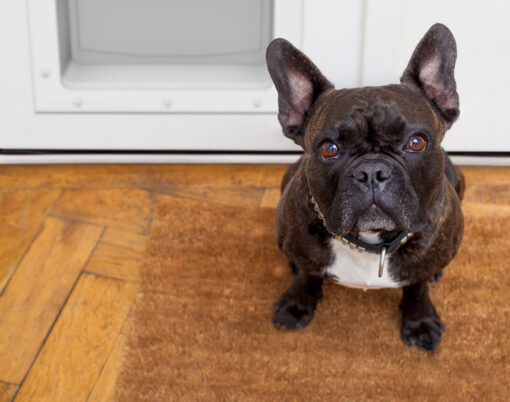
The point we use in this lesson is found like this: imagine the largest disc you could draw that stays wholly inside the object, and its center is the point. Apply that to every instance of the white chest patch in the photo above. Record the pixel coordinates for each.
(358, 270)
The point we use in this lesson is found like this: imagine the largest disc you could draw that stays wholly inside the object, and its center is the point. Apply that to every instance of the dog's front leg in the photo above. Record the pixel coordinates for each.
(295, 307)
(421, 325)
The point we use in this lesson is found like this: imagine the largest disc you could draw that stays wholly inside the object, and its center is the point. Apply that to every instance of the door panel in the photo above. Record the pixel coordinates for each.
(482, 32)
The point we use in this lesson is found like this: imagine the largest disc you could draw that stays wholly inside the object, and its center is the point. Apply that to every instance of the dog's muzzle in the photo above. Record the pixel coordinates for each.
(374, 194)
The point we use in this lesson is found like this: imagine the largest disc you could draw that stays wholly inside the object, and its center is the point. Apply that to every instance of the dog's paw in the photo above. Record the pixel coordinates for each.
(438, 275)
(291, 313)
(424, 333)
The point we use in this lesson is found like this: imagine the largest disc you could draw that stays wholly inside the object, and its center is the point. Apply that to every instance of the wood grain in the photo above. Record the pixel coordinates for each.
(22, 212)
(7, 391)
(271, 198)
(488, 175)
(153, 177)
(118, 255)
(243, 196)
(104, 389)
(158, 177)
(124, 209)
(478, 209)
(38, 290)
(488, 193)
(79, 344)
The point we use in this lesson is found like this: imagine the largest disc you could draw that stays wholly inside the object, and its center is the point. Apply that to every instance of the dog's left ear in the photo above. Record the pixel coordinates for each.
(298, 82)
(431, 69)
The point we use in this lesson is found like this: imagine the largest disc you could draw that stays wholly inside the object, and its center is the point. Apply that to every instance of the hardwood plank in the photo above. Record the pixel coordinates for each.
(484, 209)
(80, 342)
(22, 212)
(104, 389)
(158, 177)
(37, 290)
(488, 193)
(128, 323)
(7, 391)
(242, 196)
(487, 175)
(118, 255)
(154, 177)
(271, 198)
(129, 210)
(132, 241)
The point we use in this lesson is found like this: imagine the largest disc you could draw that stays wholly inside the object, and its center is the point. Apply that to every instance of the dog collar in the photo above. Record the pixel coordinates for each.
(381, 248)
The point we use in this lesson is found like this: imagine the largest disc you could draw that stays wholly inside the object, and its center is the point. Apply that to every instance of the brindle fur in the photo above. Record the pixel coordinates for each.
(370, 122)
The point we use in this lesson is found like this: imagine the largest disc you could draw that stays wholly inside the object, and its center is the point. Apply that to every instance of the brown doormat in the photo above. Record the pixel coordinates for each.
(202, 325)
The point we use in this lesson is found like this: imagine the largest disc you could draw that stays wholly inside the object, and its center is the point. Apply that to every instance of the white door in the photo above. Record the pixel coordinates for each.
(355, 43)
(482, 31)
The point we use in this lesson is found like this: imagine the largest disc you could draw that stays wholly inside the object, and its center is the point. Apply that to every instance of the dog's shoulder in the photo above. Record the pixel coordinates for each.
(454, 175)
(300, 234)
(290, 173)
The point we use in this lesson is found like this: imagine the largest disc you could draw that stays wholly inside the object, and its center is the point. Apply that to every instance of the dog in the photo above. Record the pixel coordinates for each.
(374, 201)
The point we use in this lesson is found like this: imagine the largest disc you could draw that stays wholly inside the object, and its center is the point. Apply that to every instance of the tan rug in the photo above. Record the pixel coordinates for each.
(202, 326)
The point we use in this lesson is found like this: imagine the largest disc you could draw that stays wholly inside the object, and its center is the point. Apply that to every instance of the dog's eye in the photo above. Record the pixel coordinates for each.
(329, 150)
(416, 143)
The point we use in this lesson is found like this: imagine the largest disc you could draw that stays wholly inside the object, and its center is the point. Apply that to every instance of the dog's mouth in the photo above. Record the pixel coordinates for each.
(374, 219)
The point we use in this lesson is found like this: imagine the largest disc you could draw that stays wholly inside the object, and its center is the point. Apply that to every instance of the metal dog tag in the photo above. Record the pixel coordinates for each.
(381, 261)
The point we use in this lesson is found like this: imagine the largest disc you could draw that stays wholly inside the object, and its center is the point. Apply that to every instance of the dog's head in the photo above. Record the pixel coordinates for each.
(374, 161)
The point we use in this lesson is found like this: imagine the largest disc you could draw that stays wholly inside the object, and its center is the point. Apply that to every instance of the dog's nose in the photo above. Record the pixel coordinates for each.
(372, 173)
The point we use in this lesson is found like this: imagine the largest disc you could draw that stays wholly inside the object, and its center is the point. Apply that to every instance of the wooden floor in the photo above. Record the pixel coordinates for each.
(72, 240)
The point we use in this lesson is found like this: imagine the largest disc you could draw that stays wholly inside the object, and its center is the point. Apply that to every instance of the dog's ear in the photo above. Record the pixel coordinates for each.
(298, 82)
(431, 69)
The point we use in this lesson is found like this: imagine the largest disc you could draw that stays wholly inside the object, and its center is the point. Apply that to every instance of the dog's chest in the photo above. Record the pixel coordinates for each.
(358, 270)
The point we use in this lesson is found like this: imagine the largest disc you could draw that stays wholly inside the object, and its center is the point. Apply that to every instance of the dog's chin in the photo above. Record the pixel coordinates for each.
(374, 219)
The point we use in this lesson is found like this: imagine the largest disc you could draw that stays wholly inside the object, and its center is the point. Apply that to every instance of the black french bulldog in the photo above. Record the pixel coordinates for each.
(374, 201)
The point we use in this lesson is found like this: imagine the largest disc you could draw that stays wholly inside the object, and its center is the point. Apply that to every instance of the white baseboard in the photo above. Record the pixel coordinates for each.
(481, 160)
(201, 158)
(147, 158)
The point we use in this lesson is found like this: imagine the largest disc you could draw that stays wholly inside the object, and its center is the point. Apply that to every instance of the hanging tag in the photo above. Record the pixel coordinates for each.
(381, 261)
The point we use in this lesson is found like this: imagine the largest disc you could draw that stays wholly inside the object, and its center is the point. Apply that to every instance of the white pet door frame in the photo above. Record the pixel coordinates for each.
(82, 62)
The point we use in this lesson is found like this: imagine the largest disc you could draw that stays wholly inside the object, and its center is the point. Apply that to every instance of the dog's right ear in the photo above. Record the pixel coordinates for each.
(298, 82)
